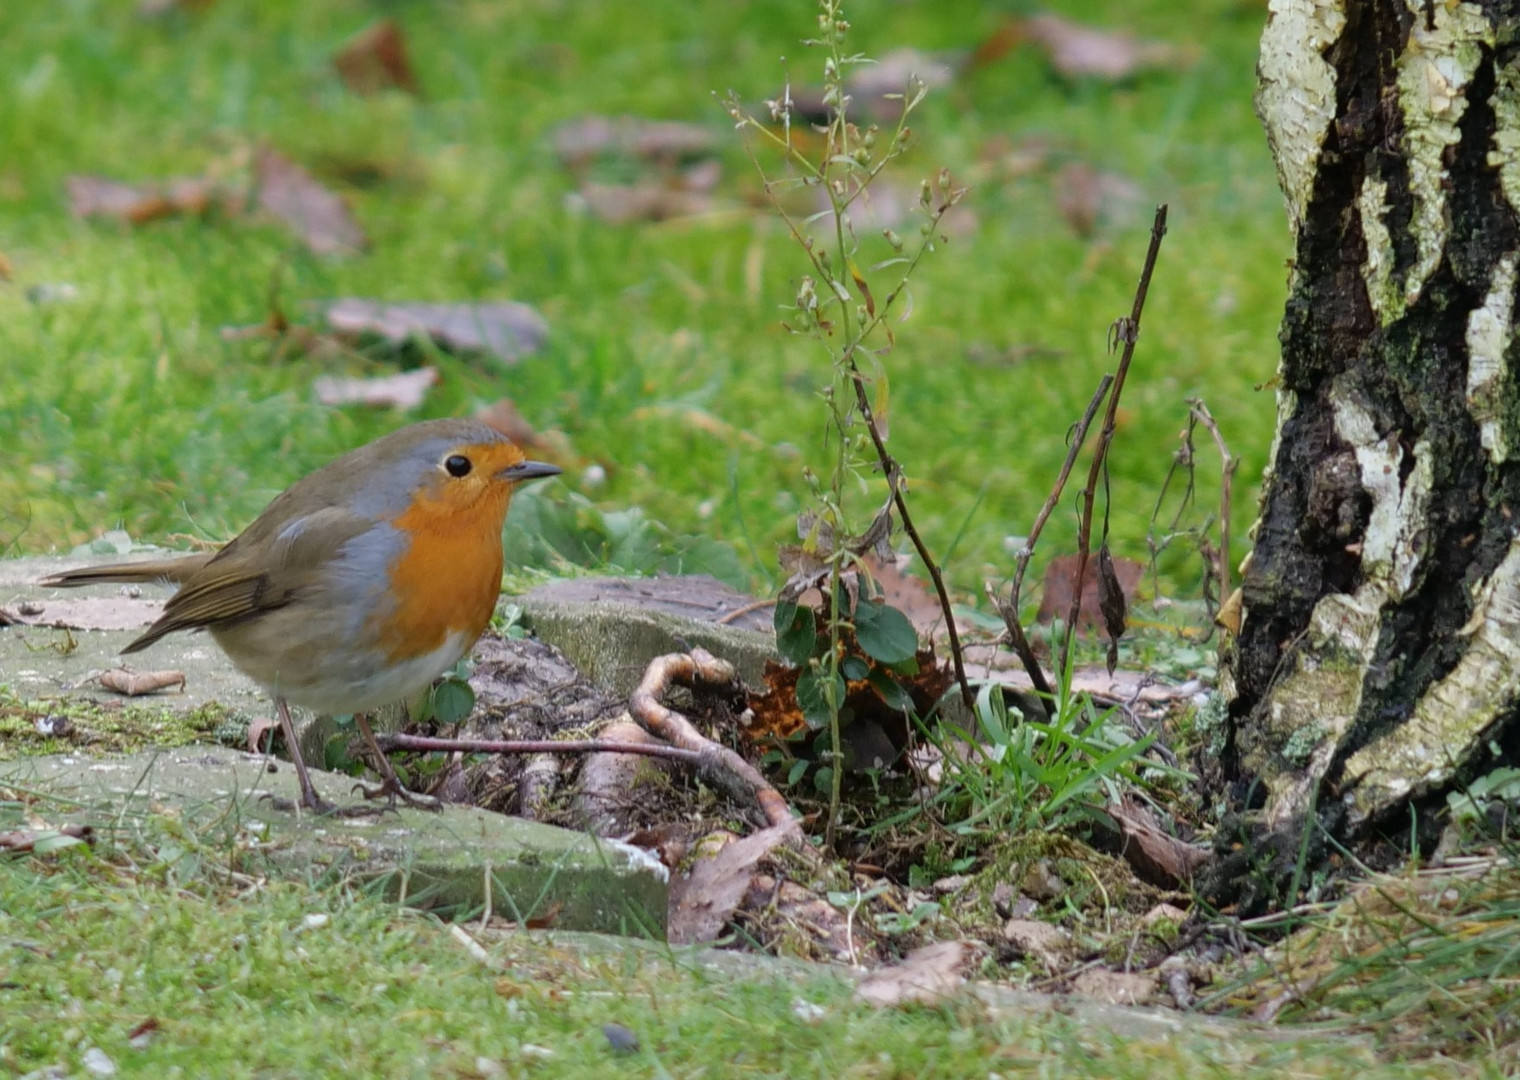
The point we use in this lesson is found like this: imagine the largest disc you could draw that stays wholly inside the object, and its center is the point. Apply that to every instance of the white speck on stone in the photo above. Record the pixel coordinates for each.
(489, 1068)
(639, 859)
(533, 1050)
(98, 1063)
(315, 921)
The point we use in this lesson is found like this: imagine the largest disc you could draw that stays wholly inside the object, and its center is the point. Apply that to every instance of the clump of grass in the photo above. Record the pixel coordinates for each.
(1426, 962)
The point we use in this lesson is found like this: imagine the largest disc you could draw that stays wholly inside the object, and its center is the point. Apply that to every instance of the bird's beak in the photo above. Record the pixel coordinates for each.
(528, 470)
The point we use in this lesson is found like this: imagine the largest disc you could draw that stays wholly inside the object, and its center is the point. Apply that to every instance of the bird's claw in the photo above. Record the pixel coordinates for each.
(392, 792)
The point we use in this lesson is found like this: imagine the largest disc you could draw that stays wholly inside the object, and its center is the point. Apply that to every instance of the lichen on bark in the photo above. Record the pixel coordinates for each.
(1378, 652)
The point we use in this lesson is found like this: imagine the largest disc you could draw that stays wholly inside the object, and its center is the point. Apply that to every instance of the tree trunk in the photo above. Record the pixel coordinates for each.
(1377, 663)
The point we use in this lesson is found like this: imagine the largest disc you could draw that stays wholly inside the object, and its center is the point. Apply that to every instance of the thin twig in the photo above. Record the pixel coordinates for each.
(1127, 330)
(1009, 609)
(1228, 463)
(428, 744)
(893, 472)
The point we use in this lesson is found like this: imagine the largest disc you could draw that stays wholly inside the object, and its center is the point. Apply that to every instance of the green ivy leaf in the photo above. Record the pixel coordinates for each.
(796, 634)
(854, 668)
(812, 698)
(823, 779)
(885, 633)
(891, 691)
(452, 701)
(798, 770)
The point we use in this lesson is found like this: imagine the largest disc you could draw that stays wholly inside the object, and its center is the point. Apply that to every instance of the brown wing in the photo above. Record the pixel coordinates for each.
(256, 572)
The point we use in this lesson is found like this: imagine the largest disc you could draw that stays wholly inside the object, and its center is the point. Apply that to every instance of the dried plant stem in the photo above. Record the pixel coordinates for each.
(1228, 463)
(1126, 330)
(893, 472)
(1009, 608)
(429, 744)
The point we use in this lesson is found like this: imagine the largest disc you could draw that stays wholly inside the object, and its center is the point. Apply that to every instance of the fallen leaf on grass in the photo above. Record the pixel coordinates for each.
(319, 217)
(138, 683)
(376, 59)
(95, 196)
(43, 841)
(1078, 51)
(703, 901)
(926, 976)
(620, 204)
(667, 142)
(1088, 198)
(1059, 587)
(257, 729)
(552, 446)
(403, 390)
(503, 329)
(141, 1034)
(5, 268)
(1154, 855)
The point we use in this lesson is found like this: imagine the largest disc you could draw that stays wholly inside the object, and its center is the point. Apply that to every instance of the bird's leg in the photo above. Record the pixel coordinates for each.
(309, 797)
(389, 787)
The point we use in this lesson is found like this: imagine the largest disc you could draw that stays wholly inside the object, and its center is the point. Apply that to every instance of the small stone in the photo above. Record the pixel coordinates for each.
(1041, 881)
(97, 1063)
(1041, 942)
(1170, 912)
(621, 1039)
(315, 921)
(488, 1068)
(1115, 987)
(1003, 897)
(952, 884)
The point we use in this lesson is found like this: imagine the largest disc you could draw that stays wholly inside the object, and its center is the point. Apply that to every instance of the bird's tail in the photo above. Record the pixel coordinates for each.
(172, 571)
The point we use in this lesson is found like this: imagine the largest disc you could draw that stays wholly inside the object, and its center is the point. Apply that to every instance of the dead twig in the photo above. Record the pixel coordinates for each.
(893, 472)
(718, 765)
(1228, 463)
(1009, 608)
(430, 744)
(1126, 330)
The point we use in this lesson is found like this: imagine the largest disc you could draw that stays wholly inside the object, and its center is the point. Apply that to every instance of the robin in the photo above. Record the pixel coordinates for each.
(358, 585)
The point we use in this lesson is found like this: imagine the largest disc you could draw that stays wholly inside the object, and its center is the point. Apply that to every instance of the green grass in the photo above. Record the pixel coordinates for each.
(125, 406)
(266, 979)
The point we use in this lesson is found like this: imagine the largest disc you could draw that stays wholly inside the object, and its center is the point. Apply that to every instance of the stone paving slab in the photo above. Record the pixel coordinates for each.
(439, 861)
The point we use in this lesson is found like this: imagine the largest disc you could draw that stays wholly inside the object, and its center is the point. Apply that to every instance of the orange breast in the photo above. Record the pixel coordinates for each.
(448, 579)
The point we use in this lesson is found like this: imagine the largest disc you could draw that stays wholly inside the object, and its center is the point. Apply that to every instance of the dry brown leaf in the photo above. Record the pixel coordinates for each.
(623, 203)
(1231, 612)
(6, 270)
(1078, 51)
(257, 729)
(403, 390)
(703, 901)
(95, 196)
(910, 595)
(926, 976)
(1088, 198)
(139, 683)
(503, 329)
(319, 217)
(1154, 855)
(1056, 601)
(580, 142)
(21, 841)
(376, 59)
(552, 446)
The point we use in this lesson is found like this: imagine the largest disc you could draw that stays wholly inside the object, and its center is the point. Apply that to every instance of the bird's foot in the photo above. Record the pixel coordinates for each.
(391, 791)
(319, 806)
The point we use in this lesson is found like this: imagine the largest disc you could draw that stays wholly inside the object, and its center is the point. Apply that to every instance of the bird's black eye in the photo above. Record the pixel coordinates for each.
(457, 465)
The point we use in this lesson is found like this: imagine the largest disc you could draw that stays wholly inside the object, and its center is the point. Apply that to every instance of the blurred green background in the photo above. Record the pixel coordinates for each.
(666, 370)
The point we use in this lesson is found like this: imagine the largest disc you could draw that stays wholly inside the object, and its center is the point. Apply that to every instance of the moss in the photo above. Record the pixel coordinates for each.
(89, 727)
